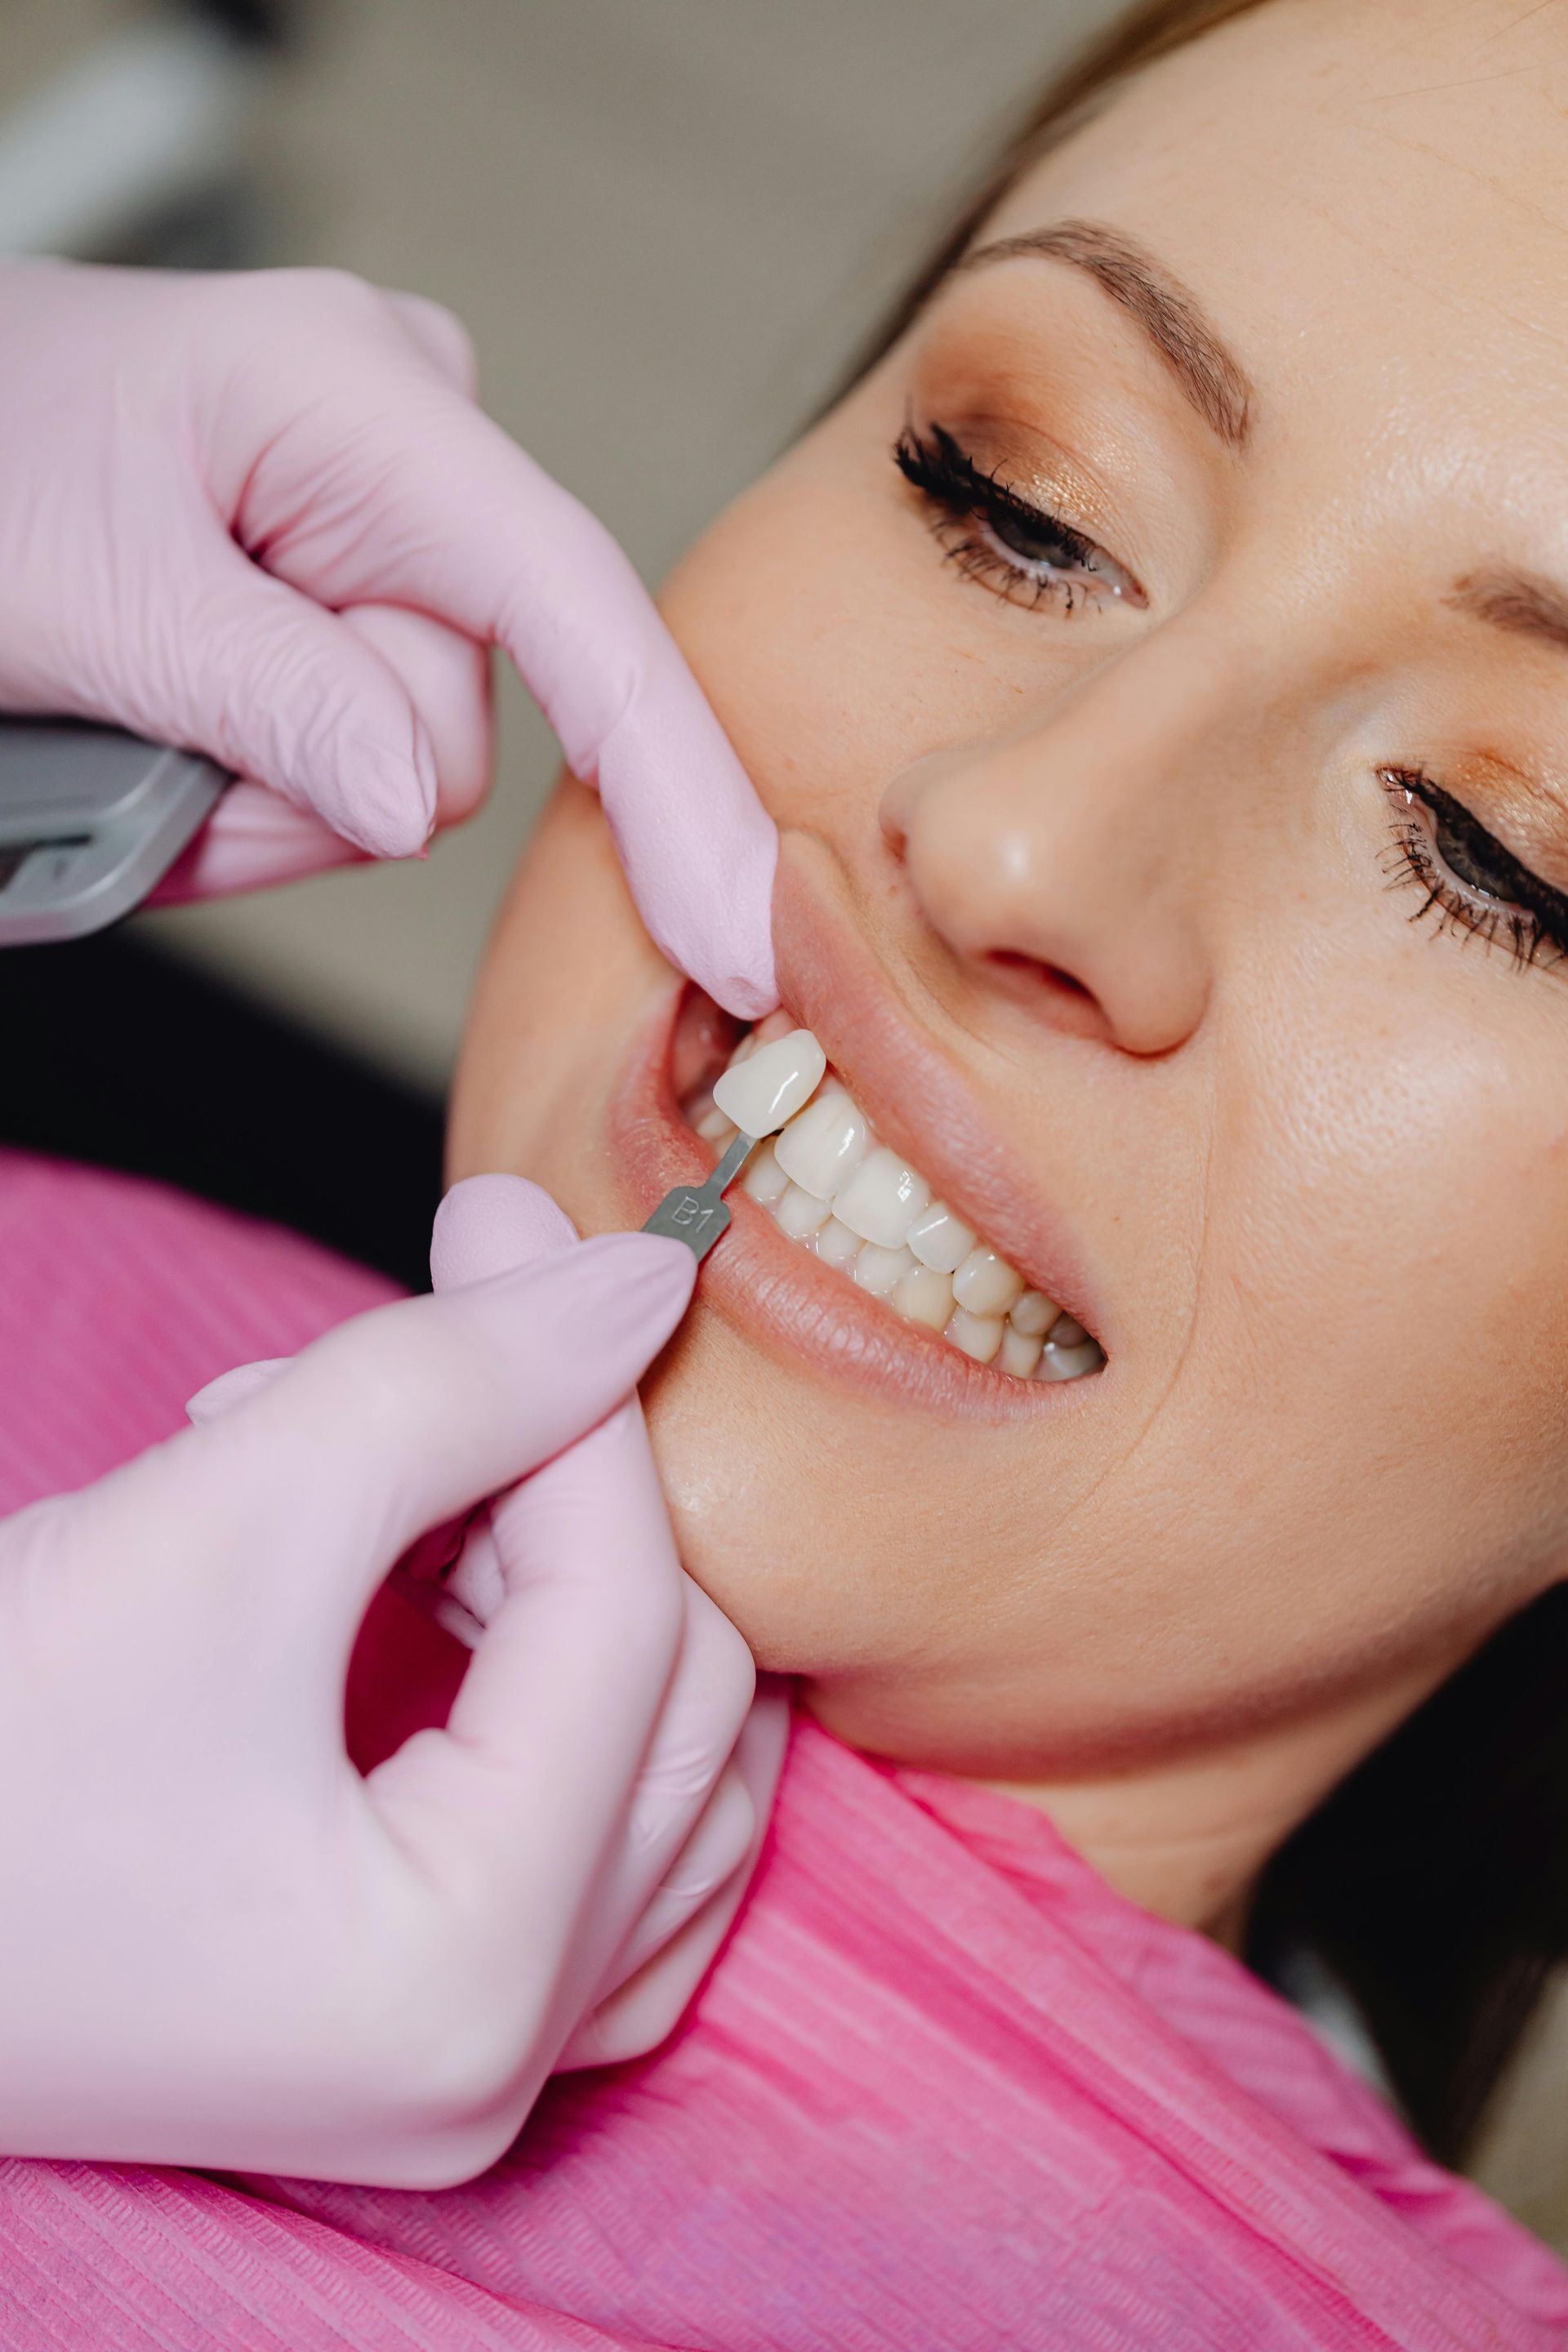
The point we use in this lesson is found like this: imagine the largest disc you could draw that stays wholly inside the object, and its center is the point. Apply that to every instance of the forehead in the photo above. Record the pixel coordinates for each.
(1371, 201)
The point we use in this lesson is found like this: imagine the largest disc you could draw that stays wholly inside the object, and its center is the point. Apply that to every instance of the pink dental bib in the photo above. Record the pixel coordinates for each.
(944, 2091)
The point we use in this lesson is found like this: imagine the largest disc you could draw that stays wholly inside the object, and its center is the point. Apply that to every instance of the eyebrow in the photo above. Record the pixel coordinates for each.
(1519, 602)
(1173, 318)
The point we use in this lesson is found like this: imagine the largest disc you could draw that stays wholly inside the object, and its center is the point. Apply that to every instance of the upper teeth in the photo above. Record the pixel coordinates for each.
(831, 1186)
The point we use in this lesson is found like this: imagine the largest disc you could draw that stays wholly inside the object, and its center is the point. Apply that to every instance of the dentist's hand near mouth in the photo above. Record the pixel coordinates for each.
(261, 516)
(220, 1945)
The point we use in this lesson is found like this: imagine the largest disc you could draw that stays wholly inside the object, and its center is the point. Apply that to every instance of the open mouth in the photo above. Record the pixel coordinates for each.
(833, 1189)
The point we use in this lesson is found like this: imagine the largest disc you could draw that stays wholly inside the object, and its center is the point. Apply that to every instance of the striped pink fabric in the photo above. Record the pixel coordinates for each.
(944, 2091)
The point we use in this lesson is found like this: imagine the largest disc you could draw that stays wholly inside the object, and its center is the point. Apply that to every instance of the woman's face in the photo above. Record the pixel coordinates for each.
(1172, 780)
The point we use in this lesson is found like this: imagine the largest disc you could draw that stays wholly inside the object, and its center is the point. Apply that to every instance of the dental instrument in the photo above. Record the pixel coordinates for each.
(90, 821)
(761, 1095)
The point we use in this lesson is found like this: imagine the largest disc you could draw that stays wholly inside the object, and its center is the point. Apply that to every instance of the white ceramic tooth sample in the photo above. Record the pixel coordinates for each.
(986, 1284)
(714, 1127)
(823, 1144)
(882, 1199)
(771, 1085)
(837, 1245)
(881, 1270)
(1034, 1313)
(799, 1213)
(744, 1048)
(1066, 1333)
(938, 1239)
(925, 1297)
(979, 1336)
(1069, 1363)
(1018, 1353)
(764, 1180)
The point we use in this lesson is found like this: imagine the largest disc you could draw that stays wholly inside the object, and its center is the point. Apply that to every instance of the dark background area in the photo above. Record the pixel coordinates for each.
(121, 1055)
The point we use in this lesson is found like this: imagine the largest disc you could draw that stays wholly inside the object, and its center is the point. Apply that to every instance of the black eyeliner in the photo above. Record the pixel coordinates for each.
(935, 463)
(1523, 912)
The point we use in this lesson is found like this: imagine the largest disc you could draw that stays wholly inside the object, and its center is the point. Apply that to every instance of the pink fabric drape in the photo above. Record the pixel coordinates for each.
(942, 2091)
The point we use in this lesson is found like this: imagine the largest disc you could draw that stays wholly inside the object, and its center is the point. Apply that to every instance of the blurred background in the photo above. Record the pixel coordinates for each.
(667, 224)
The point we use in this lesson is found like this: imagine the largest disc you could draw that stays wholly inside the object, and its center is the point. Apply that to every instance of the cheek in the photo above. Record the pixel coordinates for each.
(834, 642)
(1390, 1275)
(566, 976)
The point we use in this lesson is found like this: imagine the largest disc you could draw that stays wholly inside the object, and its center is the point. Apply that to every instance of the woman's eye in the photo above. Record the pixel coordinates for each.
(1466, 875)
(992, 534)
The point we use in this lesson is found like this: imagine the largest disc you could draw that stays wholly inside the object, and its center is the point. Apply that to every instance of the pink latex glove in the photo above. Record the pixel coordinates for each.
(219, 1944)
(261, 516)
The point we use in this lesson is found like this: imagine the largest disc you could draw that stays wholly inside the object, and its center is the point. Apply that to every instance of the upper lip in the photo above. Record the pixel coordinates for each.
(915, 1100)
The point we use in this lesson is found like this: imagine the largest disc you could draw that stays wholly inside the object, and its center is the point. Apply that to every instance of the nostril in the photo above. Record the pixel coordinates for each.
(1048, 989)
(1031, 968)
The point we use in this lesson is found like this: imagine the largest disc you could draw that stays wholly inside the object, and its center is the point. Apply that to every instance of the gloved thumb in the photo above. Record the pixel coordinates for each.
(290, 696)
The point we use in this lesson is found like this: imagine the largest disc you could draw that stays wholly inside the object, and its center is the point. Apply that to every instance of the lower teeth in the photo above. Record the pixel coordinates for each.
(940, 1275)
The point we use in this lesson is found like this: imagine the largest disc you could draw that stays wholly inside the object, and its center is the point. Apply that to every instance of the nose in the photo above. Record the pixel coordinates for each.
(1068, 860)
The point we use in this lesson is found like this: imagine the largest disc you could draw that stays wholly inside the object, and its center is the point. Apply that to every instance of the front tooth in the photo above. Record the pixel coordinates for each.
(1033, 1314)
(979, 1336)
(925, 1297)
(823, 1146)
(799, 1213)
(837, 1245)
(881, 1270)
(714, 1127)
(767, 1089)
(1069, 1363)
(764, 1180)
(1019, 1353)
(938, 1239)
(882, 1199)
(986, 1284)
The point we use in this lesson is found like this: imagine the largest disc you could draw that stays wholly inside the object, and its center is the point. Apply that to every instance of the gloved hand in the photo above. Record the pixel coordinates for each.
(261, 516)
(219, 1944)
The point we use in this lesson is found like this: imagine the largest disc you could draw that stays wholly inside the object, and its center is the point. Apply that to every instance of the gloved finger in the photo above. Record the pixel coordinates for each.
(433, 506)
(441, 336)
(562, 1694)
(231, 1387)
(406, 1416)
(483, 1225)
(288, 695)
(704, 1708)
(486, 1224)
(720, 1842)
(252, 841)
(447, 678)
(255, 840)
(727, 1837)
(647, 2005)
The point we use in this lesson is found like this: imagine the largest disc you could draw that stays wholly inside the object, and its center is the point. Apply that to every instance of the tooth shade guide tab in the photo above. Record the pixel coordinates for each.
(762, 1092)
(825, 1179)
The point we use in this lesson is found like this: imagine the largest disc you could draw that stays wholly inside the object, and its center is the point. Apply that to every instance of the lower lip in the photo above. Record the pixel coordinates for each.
(770, 1289)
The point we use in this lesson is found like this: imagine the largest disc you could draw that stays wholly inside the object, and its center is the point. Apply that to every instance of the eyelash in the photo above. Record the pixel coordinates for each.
(958, 492)
(1530, 922)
